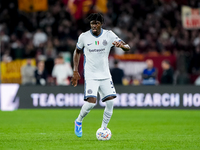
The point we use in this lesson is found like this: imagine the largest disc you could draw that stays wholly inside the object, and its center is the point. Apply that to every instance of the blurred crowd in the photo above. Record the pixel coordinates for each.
(148, 26)
(61, 73)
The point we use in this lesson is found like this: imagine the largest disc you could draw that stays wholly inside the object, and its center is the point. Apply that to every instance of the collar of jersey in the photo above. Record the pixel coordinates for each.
(95, 35)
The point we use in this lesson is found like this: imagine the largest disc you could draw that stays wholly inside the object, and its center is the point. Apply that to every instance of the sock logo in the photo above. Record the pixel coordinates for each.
(89, 91)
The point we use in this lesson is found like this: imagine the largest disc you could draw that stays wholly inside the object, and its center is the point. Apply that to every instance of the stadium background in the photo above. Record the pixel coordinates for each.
(146, 117)
(153, 29)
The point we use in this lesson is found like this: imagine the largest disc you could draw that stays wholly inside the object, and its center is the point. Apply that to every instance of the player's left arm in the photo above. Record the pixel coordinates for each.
(122, 45)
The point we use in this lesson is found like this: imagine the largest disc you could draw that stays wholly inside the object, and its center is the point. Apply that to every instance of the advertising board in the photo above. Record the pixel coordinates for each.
(14, 97)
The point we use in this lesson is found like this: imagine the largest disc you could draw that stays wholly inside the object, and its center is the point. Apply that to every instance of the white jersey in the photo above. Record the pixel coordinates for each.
(96, 50)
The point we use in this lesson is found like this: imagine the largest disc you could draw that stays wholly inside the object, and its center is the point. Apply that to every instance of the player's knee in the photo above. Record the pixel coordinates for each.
(109, 98)
(92, 100)
(110, 102)
(109, 105)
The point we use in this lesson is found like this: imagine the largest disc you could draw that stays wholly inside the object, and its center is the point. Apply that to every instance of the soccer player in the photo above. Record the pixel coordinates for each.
(96, 44)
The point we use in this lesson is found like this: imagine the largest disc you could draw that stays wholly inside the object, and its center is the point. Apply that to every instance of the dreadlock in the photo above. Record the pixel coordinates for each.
(96, 17)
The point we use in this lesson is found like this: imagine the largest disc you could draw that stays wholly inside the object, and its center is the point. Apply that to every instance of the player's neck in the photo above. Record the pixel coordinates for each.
(97, 33)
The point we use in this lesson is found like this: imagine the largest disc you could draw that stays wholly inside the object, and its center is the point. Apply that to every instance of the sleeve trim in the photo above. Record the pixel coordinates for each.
(78, 47)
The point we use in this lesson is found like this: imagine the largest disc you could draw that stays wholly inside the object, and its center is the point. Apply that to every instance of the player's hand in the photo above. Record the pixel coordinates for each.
(75, 78)
(118, 44)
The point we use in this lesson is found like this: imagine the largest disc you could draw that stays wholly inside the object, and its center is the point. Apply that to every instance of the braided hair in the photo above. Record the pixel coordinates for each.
(96, 17)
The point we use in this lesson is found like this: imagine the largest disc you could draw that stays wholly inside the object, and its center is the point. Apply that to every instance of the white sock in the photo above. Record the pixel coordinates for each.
(85, 110)
(107, 113)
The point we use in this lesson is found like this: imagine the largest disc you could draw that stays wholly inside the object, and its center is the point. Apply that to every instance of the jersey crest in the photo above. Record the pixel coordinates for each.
(105, 42)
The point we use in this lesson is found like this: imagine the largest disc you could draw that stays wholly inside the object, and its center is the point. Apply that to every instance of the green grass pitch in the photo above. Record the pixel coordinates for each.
(134, 129)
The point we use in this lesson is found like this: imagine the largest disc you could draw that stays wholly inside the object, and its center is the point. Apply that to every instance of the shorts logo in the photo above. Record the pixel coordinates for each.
(89, 91)
(105, 42)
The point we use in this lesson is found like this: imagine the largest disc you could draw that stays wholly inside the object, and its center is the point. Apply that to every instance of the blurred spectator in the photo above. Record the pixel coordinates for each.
(27, 72)
(61, 71)
(29, 50)
(49, 50)
(117, 74)
(6, 56)
(149, 74)
(3, 37)
(49, 64)
(197, 81)
(41, 74)
(182, 77)
(195, 62)
(167, 75)
(39, 38)
(17, 49)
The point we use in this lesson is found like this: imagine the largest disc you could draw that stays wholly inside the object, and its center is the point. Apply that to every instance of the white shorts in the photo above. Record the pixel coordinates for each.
(104, 87)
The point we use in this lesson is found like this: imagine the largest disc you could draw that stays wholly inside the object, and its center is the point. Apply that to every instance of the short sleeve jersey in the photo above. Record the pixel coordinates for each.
(96, 50)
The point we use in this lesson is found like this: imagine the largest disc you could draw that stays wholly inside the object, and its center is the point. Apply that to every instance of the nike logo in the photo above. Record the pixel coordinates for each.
(89, 44)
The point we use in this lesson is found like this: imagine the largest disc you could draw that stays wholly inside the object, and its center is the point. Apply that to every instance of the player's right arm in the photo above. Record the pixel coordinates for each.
(76, 58)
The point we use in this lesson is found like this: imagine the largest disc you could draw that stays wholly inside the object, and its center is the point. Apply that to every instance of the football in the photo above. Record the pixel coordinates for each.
(103, 134)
